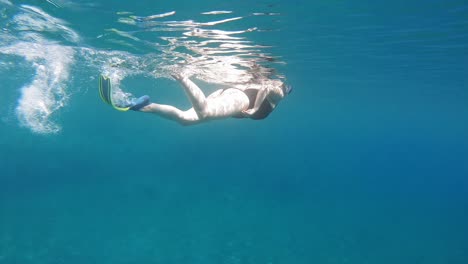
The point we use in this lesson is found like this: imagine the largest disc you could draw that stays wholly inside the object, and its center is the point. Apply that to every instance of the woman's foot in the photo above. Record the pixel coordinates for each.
(140, 103)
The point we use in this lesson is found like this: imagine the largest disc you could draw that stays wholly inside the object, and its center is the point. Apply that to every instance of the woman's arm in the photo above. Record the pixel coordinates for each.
(261, 96)
(272, 94)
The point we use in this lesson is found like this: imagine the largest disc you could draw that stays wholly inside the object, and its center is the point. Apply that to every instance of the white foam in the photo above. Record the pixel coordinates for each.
(47, 91)
(117, 65)
(215, 56)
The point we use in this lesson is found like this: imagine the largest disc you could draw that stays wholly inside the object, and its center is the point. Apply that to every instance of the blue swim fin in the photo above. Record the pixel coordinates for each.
(105, 91)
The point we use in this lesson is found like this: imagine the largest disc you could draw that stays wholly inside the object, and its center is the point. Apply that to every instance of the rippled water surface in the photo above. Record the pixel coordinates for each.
(365, 162)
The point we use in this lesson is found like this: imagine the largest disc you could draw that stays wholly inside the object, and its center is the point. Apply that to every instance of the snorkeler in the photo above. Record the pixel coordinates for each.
(254, 101)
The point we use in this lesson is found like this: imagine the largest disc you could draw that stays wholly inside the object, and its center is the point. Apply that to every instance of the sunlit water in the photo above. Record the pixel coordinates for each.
(192, 48)
(365, 162)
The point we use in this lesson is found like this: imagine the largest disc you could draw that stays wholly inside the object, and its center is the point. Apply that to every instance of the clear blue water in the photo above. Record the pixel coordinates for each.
(365, 162)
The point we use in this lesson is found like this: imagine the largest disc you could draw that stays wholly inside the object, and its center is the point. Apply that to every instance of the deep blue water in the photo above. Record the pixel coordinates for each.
(365, 162)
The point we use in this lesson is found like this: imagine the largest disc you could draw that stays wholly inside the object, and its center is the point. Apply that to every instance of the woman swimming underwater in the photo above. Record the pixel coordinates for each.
(255, 101)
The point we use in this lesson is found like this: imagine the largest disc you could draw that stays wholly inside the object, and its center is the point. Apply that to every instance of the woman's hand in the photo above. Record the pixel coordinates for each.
(249, 112)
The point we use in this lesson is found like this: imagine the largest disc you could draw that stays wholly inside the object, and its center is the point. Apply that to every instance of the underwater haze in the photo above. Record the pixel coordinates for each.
(366, 161)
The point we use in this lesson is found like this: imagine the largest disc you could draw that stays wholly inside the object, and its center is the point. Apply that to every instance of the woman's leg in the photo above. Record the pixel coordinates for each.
(220, 104)
(194, 94)
(188, 117)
